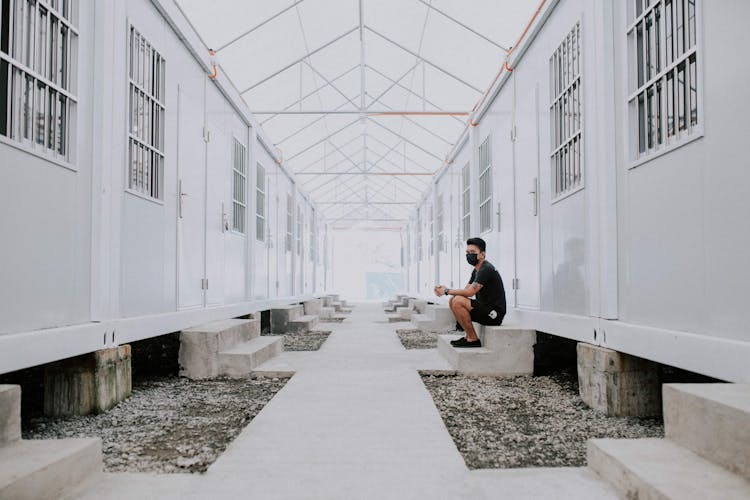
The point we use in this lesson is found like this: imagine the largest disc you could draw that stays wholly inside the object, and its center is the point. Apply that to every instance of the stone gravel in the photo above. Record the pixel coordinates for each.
(308, 341)
(169, 424)
(417, 339)
(525, 421)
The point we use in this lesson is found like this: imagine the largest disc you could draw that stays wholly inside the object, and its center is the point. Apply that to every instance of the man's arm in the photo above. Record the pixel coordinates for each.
(469, 291)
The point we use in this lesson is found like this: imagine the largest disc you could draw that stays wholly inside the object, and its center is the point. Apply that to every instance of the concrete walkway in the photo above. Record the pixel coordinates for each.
(354, 422)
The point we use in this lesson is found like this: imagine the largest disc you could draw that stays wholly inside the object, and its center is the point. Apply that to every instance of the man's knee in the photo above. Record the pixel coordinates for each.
(461, 302)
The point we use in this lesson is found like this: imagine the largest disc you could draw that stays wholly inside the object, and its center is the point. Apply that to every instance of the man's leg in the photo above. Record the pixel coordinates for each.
(461, 308)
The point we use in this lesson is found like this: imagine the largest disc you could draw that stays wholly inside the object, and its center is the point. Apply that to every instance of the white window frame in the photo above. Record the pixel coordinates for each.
(239, 187)
(419, 235)
(50, 74)
(484, 161)
(300, 224)
(431, 226)
(440, 223)
(260, 206)
(146, 119)
(655, 128)
(566, 116)
(313, 237)
(466, 200)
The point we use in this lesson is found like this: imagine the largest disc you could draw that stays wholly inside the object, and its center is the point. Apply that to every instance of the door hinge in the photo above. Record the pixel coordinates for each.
(204, 284)
(206, 135)
(515, 283)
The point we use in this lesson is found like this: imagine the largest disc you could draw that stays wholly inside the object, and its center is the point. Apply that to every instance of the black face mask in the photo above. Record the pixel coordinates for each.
(472, 258)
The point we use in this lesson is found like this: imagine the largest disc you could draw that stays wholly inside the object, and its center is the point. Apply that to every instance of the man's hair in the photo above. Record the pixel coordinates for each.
(479, 242)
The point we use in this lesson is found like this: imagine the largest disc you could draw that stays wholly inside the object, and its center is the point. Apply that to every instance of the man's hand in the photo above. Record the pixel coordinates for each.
(439, 290)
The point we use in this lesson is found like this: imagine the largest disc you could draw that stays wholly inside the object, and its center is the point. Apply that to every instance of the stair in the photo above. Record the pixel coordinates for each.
(40, 469)
(230, 348)
(312, 307)
(242, 359)
(302, 324)
(704, 455)
(326, 312)
(506, 351)
(435, 318)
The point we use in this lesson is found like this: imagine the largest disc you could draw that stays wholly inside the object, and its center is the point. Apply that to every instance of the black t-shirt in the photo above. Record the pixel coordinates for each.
(492, 292)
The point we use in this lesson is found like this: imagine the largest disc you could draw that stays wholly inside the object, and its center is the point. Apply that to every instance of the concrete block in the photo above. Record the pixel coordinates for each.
(312, 307)
(506, 337)
(90, 383)
(10, 413)
(241, 360)
(435, 317)
(200, 345)
(326, 312)
(712, 420)
(650, 469)
(47, 469)
(419, 306)
(281, 316)
(616, 383)
(302, 324)
(485, 361)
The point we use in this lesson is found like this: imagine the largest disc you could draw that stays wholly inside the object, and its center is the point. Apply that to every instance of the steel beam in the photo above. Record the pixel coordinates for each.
(259, 25)
(464, 26)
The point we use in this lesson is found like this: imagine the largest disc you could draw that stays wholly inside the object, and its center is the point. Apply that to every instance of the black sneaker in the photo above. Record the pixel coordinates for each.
(458, 341)
(465, 343)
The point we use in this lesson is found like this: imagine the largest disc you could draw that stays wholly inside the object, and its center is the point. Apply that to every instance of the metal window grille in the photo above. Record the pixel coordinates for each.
(289, 222)
(662, 39)
(300, 227)
(466, 197)
(260, 203)
(440, 222)
(38, 54)
(485, 186)
(239, 187)
(146, 117)
(565, 112)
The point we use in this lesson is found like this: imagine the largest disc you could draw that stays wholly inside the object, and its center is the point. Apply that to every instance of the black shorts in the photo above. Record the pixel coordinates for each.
(486, 315)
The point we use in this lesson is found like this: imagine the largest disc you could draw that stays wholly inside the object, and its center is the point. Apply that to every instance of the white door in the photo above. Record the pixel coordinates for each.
(527, 151)
(218, 163)
(191, 174)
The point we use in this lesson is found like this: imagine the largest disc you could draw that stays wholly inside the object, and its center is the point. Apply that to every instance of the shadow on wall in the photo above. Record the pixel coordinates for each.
(569, 285)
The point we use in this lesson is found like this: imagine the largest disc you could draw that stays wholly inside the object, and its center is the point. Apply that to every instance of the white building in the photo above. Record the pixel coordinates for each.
(606, 174)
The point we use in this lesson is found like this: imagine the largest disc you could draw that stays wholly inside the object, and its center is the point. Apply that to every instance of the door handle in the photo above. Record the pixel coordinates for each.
(180, 198)
(535, 193)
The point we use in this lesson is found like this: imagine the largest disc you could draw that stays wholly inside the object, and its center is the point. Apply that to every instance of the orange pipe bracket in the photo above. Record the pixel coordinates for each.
(212, 55)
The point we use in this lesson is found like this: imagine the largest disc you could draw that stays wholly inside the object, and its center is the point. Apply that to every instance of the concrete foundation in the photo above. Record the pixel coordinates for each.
(618, 384)
(91, 383)
(10, 413)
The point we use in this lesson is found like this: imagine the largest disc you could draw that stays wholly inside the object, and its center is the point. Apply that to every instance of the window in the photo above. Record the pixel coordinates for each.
(485, 186)
(38, 47)
(419, 235)
(440, 224)
(146, 116)
(662, 40)
(313, 238)
(239, 187)
(289, 222)
(260, 203)
(565, 113)
(300, 226)
(466, 197)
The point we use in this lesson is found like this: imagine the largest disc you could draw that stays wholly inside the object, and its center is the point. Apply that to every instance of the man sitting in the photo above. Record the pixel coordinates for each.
(486, 284)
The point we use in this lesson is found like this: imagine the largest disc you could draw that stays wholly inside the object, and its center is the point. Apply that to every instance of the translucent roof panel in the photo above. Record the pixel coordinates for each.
(363, 97)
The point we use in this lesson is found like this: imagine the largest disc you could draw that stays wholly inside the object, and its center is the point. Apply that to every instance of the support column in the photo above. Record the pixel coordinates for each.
(90, 383)
(10, 413)
(618, 384)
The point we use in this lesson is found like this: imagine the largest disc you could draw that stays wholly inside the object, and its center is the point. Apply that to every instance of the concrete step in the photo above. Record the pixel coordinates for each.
(712, 420)
(337, 306)
(47, 469)
(242, 359)
(435, 317)
(282, 315)
(404, 312)
(302, 324)
(312, 307)
(200, 346)
(507, 337)
(486, 361)
(326, 312)
(651, 469)
(10, 413)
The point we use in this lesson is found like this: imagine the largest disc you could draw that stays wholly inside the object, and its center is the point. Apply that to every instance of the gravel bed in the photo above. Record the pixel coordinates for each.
(417, 339)
(309, 341)
(169, 424)
(525, 421)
